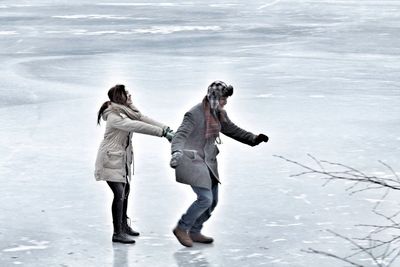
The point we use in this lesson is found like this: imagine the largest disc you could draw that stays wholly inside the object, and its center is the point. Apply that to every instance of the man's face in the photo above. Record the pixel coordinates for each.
(223, 101)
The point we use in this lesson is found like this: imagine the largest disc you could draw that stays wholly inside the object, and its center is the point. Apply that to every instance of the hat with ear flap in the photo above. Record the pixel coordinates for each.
(228, 91)
(216, 90)
(219, 89)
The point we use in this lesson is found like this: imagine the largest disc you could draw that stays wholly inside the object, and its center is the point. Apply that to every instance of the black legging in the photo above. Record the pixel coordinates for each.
(119, 205)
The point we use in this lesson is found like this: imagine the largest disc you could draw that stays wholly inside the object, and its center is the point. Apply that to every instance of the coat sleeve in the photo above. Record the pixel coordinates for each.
(126, 124)
(230, 129)
(181, 135)
(148, 120)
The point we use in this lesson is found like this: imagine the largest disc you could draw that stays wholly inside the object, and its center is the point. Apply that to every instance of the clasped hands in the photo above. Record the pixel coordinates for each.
(168, 133)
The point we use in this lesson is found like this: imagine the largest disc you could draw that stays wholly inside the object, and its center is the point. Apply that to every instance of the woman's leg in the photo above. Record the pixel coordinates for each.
(125, 205)
(117, 204)
(125, 226)
(117, 213)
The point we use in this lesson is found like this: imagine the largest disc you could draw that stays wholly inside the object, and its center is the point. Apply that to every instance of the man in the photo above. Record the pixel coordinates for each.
(194, 154)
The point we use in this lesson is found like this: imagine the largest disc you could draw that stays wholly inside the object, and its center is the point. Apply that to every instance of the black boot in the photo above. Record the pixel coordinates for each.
(122, 238)
(127, 229)
(119, 235)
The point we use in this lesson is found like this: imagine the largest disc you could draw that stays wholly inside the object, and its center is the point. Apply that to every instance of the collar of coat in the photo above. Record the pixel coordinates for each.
(125, 111)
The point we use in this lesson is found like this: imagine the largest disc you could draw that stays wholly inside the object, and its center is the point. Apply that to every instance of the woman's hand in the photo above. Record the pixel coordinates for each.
(168, 133)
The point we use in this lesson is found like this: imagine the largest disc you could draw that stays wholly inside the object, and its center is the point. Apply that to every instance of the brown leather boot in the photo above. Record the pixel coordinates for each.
(183, 237)
(200, 238)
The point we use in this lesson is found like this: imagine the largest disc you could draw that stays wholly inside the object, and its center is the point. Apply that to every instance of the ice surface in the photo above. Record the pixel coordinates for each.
(318, 77)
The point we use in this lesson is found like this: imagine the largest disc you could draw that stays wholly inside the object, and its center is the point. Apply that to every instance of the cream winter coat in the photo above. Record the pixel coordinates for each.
(115, 156)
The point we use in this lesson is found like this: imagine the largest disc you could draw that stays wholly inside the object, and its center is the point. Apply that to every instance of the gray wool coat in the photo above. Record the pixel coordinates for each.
(200, 154)
(114, 160)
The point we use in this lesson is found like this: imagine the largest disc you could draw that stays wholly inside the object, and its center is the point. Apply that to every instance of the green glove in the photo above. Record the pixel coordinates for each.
(168, 133)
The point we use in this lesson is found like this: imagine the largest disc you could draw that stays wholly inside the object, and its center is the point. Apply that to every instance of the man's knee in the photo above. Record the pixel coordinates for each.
(205, 201)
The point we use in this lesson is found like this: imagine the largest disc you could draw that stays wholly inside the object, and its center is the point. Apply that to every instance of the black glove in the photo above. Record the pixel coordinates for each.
(260, 138)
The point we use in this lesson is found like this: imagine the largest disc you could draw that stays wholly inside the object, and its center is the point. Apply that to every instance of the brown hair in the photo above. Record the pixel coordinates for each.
(116, 94)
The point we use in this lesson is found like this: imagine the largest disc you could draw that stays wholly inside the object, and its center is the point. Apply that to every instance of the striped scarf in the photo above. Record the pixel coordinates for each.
(213, 125)
(213, 112)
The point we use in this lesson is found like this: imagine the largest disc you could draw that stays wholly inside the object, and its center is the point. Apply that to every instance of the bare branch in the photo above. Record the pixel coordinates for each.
(381, 243)
(327, 254)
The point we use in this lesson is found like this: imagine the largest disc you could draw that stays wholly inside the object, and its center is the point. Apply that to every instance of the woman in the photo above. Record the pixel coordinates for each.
(115, 155)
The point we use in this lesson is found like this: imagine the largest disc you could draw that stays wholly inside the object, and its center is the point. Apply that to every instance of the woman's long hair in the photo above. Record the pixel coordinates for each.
(116, 94)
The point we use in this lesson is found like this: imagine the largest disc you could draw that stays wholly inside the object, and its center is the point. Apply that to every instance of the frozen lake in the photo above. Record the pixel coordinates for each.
(318, 77)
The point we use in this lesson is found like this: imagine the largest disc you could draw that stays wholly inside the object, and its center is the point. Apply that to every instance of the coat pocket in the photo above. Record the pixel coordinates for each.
(192, 169)
(191, 154)
(114, 160)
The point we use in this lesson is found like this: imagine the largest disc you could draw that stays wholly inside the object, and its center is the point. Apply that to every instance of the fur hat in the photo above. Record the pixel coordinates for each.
(218, 89)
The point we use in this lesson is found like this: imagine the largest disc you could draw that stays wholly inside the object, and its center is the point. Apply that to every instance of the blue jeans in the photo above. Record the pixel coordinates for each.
(200, 210)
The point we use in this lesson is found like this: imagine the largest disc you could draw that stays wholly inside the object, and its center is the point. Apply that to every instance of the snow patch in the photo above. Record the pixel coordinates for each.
(324, 223)
(142, 4)
(270, 96)
(302, 197)
(36, 245)
(285, 191)
(279, 240)
(173, 29)
(254, 255)
(310, 242)
(273, 224)
(268, 4)
(222, 5)
(93, 16)
(8, 33)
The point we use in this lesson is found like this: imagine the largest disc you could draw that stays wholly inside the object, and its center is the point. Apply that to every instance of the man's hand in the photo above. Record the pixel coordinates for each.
(175, 159)
(260, 138)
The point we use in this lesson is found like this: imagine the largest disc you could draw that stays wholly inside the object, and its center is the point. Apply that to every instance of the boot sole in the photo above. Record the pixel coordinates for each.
(124, 242)
(204, 242)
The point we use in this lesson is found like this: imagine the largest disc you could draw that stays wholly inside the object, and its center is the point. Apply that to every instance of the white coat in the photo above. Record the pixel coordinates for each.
(114, 160)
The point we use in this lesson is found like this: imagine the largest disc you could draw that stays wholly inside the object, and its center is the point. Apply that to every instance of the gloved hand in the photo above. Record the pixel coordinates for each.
(168, 133)
(175, 159)
(260, 138)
